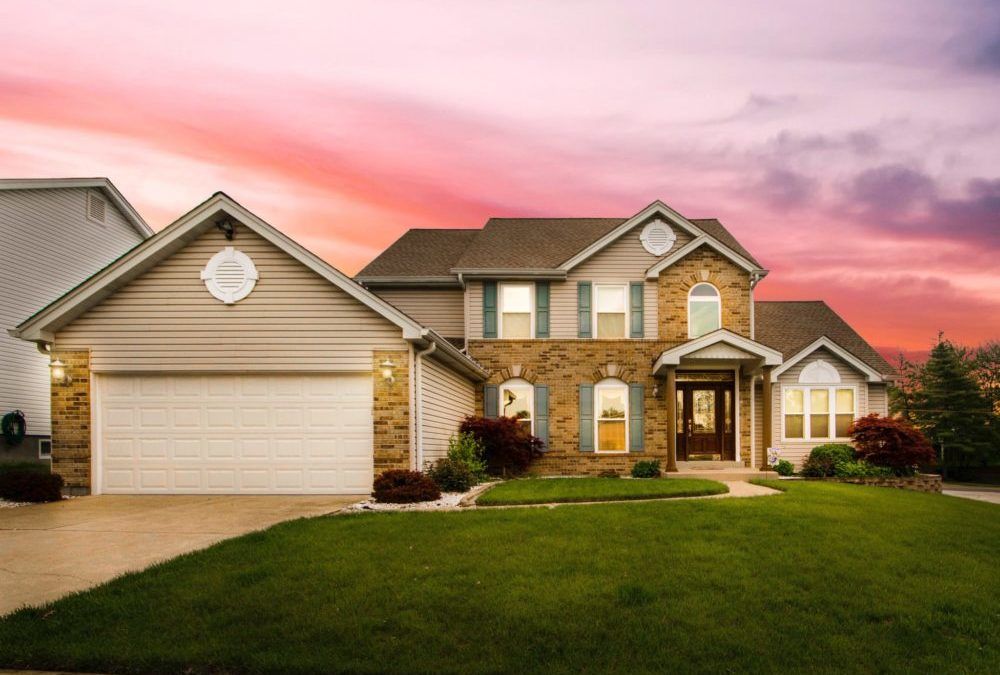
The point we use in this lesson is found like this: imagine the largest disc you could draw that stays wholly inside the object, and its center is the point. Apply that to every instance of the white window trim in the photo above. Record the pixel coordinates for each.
(806, 404)
(531, 308)
(45, 441)
(610, 383)
(518, 382)
(628, 309)
(717, 300)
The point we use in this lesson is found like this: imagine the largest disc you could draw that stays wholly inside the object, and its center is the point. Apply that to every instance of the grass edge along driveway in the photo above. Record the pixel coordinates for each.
(568, 490)
(825, 578)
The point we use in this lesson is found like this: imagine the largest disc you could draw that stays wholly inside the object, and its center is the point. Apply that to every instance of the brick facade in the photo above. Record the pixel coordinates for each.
(391, 412)
(708, 265)
(71, 422)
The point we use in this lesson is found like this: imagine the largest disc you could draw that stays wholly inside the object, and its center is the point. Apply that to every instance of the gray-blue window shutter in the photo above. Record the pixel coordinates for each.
(586, 418)
(541, 309)
(636, 307)
(583, 309)
(542, 413)
(489, 309)
(491, 401)
(636, 417)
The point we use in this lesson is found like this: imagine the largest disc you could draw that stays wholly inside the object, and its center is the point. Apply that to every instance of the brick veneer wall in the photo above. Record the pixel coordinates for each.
(391, 412)
(565, 364)
(704, 264)
(71, 422)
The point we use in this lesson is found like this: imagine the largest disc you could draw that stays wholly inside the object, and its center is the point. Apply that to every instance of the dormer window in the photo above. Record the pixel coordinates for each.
(516, 316)
(704, 310)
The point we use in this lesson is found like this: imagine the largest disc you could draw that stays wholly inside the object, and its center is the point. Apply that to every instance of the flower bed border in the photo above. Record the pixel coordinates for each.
(921, 482)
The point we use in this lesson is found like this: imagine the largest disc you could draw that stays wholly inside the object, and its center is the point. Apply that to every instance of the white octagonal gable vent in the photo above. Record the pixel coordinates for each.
(230, 275)
(657, 237)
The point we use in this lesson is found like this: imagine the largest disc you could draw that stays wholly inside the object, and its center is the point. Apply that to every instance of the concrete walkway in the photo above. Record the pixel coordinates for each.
(737, 489)
(49, 550)
(981, 493)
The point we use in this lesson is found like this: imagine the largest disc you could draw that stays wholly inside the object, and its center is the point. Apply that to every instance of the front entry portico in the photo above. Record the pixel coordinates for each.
(706, 414)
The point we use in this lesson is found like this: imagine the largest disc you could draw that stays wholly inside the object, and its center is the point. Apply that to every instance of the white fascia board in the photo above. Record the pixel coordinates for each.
(445, 282)
(673, 356)
(656, 208)
(704, 240)
(103, 184)
(508, 273)
(870, 373)
(41, 326)
(453, 356)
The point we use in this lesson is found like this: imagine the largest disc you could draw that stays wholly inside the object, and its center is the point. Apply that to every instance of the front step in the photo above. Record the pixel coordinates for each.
(720, 473)
(708, 465)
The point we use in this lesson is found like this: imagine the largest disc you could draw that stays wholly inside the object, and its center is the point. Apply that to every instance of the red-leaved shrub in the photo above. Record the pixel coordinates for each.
(889, 442)
(508, 446)
(399, 486)
(21, 485)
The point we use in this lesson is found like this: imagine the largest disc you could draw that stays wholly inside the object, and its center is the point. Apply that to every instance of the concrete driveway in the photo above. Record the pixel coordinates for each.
(49, 550)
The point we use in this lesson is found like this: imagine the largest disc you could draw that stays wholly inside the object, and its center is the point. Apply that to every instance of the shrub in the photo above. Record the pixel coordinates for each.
(648, 468)
(608, 473)
(784, 467)
(892, 443)
(824, 458)
(399, 486)
(21, 485)
(508, 446)
(857, 468)
(466, 448)
(452, 475)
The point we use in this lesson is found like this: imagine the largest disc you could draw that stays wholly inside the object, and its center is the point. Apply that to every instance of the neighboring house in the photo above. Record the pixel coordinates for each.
(219, 356)
(56, 233)
(620, 339)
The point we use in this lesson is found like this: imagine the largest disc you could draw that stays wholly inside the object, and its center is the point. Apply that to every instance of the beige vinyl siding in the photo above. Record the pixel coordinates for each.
(622, 261)
(437, 308)
(878, 399)
(49, 246)
(447, 398)
(294, 320)
(798, 450)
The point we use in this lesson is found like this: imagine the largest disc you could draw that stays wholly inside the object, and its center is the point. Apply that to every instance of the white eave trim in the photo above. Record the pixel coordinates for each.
(703, 240)
(673, 356)
(102, 184)
(440, 281)
(656, 208)
(453, 356)
(870, 373)
(509, 273)
(43, 325)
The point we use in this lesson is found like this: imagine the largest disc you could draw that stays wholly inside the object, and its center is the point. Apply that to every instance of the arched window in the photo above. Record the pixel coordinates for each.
(517, 400)
(704, 310)
(611, 415)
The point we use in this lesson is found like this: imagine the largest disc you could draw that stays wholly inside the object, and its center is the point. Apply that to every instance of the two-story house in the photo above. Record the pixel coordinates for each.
(56, 233)
(619, 339)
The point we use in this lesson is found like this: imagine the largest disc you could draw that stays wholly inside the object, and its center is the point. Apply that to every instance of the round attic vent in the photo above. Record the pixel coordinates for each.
(657, 237)
(230, 275)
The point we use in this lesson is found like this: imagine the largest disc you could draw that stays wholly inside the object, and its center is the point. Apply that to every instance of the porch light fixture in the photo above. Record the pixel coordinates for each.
(58, 370)
(387, 367)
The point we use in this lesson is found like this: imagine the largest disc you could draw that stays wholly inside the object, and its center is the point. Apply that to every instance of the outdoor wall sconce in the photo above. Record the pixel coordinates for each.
(58, 370)
(387, 367)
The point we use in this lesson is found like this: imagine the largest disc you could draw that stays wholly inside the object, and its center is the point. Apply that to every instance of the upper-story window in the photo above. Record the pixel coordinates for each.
(610, 310)
(517, 401)
(516, 316)
(704, 310)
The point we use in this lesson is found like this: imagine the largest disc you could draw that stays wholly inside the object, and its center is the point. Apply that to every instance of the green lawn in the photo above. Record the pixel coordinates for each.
(546, 490)
(824, 578)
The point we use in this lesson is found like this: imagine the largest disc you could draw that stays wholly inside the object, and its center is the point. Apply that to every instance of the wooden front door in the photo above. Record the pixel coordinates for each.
(705, 414)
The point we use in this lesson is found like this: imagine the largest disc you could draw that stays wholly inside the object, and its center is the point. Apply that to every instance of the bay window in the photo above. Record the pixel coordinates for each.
(611, 307)
(516, 320)
(818, 413)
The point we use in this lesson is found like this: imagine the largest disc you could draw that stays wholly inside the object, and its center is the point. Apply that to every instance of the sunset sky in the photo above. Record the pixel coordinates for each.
(853, 146)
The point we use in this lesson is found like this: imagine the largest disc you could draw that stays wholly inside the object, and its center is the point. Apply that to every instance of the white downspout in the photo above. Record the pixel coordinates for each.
(419, 416)
(411, 371)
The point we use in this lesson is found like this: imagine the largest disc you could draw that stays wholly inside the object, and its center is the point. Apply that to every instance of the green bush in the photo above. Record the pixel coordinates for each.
(399, 486)
(468, 450)
(647, 468)
(784, 467)
(452, 475)
(19, 485)
(823, 459)
(858, 468)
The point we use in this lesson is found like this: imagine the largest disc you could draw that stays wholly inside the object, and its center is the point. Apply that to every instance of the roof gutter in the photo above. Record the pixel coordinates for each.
(508, 273)
(451, 354)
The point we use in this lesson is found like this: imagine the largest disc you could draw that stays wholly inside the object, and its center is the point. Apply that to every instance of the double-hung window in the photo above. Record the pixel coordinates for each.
(516, 315)
(704, 310)
(611, 416)
(517, 401)
(610, 311)
(818, 413)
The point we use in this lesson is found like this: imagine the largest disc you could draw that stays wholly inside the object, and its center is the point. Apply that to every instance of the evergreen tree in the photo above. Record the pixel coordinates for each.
(950, 408)
(903, 391)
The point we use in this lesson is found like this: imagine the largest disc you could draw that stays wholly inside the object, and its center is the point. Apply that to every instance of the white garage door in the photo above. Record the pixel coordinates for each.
(232, 434)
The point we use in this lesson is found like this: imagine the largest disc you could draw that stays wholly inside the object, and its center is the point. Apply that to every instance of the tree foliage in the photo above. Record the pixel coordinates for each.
(892, 443)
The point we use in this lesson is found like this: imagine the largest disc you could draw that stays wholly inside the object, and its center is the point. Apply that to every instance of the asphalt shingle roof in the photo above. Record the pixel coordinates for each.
(421, 253)
(792, 326)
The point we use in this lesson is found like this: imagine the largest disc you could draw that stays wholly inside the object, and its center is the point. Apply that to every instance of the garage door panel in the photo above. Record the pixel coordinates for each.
(236, 433)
